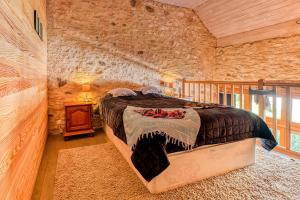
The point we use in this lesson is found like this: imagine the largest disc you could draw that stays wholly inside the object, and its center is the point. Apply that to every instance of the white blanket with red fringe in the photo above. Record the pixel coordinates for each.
(182, 131)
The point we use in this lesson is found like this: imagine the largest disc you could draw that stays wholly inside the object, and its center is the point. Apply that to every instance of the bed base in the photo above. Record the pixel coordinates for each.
(192, 166)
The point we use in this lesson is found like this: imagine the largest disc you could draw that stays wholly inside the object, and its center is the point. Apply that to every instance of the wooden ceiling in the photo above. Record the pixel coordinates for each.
(237, 21)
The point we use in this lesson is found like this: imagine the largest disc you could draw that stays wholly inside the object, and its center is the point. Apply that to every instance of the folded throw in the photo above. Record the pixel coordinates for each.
(178, 130)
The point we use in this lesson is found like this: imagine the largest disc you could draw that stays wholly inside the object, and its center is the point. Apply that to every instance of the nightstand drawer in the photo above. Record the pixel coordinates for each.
(78, 118)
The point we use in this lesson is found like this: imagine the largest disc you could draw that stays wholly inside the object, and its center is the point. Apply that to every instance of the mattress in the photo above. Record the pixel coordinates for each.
(194, 165)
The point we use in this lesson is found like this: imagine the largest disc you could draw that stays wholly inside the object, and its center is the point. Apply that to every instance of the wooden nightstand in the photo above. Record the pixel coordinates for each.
(78, 119)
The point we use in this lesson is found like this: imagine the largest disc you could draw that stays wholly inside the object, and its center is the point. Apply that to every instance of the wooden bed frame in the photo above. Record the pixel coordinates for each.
(200, 163)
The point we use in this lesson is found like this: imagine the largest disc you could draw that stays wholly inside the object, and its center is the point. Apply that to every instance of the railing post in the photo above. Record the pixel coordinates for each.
(288, 118)
(274, 113)
(189, 92)
(204, 92)
(218, 94)
(260, 84)
(241, 96)
(199, 91)
(232, 95)
(261, 99)
(225, 96)
(194, 92)
(183, 88)
(249, 99)
(211, 93)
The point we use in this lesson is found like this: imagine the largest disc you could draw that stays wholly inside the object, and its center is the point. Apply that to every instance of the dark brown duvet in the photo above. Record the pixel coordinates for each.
(219, 124)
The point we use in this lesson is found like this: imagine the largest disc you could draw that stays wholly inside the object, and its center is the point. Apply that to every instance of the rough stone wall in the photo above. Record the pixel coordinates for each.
(272, 59)
(112, 43)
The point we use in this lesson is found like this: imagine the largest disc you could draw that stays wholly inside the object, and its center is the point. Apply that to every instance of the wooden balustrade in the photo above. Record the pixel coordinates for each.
(229, 92)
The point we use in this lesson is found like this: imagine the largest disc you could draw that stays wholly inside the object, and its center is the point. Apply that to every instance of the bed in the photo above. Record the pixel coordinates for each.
(225, 141)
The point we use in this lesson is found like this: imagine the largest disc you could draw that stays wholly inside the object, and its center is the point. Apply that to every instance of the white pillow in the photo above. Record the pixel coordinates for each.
(121, 92)
(150, 90)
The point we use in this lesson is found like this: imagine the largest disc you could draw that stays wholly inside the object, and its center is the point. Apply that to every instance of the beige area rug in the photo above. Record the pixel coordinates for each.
(100, 172)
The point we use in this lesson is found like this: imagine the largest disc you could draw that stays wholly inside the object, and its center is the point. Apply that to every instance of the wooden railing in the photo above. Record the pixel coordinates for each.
(242, 94)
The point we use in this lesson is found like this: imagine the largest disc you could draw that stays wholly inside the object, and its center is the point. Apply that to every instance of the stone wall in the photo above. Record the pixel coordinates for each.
(120, 43)
(272, 59)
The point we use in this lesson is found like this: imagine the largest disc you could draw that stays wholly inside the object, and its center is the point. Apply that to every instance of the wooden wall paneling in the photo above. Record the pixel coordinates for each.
(23, 97)
(20, 149)
(14, 108)
(19, 35)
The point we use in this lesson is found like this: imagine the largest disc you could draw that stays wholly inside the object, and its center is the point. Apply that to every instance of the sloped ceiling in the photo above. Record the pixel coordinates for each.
(237, 21)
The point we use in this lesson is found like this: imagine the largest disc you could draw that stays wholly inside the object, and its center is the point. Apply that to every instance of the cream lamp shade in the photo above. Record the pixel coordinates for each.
(86, 87)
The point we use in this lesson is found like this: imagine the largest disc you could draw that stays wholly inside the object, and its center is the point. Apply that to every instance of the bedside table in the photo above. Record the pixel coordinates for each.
(78, 119)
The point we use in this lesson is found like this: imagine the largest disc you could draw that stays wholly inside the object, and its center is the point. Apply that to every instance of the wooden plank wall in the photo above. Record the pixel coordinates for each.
(23, 97)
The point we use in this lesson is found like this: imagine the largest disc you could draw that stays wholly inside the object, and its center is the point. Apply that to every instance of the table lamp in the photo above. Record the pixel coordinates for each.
(86, 88)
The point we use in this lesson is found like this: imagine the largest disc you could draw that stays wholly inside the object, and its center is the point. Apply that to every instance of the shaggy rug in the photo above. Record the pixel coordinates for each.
(100, 172)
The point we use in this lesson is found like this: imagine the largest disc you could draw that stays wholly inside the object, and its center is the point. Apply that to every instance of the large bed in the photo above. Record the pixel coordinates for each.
(225, 141)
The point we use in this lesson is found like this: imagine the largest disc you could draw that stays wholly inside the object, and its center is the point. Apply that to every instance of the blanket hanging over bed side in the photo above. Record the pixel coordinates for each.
(150, 136)
(183, 131)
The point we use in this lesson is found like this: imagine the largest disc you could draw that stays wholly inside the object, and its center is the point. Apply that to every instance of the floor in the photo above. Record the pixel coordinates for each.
(44, 185)
(104, 174)
(43, 189)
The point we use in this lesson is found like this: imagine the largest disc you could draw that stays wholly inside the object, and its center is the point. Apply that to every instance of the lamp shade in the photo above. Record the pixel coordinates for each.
(166, 84)
(86, 87)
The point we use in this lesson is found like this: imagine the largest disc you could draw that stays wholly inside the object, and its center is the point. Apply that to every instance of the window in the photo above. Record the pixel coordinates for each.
(255, 106)
(237, 101)
(277, 137)
(228, 98)
(295, 110)
(269, 108)
(295, 141)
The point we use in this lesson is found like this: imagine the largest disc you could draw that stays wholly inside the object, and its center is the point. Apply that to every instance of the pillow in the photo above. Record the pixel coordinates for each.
(120, 92)
(150, 90)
